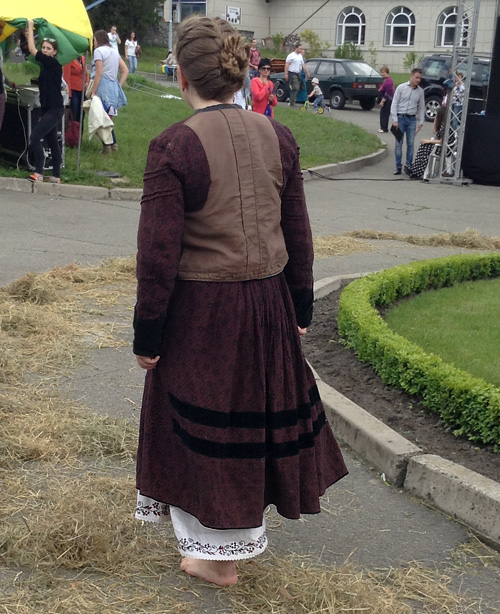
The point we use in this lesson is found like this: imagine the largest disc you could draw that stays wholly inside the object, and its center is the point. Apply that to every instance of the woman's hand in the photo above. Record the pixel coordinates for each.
(271, 97)
(302, 331)
(31, 39)
(146, 362)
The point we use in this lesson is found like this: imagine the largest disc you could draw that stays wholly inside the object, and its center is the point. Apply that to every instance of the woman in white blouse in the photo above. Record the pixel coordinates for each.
(131, 52)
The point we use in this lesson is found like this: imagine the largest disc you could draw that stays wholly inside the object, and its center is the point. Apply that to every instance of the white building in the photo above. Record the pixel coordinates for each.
(423, 26)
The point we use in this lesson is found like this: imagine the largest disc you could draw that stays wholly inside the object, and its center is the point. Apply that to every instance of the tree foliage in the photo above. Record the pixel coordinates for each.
(348, 51)
(411, 60)
(126, 15)
(314, 43)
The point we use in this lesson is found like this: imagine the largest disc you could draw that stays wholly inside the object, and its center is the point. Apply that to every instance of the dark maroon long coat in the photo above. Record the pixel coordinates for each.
(231, 418)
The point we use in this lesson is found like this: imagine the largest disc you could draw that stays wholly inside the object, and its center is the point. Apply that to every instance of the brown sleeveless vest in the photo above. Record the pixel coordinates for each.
(237, 235)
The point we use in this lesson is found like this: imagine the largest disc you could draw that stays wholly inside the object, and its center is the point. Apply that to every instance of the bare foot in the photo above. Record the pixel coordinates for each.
(222, 573)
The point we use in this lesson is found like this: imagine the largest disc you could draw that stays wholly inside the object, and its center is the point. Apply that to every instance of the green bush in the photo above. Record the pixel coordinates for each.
(468, 405)
(348, 51)
(314, 43)
(411, 60)
(278, 39)
(372, 50)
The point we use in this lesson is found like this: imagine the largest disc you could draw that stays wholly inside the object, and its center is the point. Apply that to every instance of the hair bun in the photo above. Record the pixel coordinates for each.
(212, 56)
(233, 57)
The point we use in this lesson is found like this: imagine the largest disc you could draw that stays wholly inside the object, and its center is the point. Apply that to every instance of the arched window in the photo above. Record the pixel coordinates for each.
(446, 25)
(400, 27)
(351, 25)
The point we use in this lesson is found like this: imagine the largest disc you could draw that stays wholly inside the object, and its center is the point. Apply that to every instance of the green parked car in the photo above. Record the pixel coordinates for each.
(339, 80)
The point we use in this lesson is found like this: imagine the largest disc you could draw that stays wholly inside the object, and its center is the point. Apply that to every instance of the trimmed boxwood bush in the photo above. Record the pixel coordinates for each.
(468, 405)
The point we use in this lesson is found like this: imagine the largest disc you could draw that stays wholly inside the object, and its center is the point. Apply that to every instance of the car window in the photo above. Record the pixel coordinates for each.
(340, 69)
(433, 68)
(363, 69)
(481, 73)
(311, 66)
(325, 68)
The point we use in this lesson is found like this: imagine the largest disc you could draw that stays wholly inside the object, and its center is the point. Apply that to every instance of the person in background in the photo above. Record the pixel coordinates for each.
(130, 52)
(231, 418)
(386, 94)
(261, 87)
(114, 39)
(52, 106)
(73, 76)
(457, 100)
(294, 65)
(316, 94)
(106, 66)
(170, 62)
(425, 149)
(3, 81)
(243, 97)
(407, 114)
(254, 59)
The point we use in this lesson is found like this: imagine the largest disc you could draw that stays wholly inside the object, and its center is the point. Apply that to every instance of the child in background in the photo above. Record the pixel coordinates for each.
(316, 95)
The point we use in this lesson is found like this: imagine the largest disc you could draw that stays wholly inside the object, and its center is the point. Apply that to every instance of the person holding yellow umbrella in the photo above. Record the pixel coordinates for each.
(51, 102)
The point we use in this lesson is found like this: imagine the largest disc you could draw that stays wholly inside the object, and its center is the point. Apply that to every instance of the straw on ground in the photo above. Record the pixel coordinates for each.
(67, 533)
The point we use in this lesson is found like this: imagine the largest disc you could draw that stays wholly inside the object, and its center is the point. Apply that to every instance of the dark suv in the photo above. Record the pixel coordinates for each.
(436, 69)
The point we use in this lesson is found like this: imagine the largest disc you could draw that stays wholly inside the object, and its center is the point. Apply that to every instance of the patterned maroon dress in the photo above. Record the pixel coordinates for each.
(231, 418)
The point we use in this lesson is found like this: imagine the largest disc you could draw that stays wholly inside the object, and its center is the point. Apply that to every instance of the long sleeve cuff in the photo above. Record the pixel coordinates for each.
(303, 303)
(148, 336)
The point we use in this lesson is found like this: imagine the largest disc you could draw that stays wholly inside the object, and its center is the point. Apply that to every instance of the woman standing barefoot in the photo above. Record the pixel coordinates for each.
(231, 420)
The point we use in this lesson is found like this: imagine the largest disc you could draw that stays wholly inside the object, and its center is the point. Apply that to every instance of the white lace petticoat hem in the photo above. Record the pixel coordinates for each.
(196, 541)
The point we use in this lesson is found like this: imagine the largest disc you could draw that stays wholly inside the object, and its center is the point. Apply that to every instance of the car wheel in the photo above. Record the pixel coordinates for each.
(367, 104)
(337, 99)
(432, 104)
(281, 91)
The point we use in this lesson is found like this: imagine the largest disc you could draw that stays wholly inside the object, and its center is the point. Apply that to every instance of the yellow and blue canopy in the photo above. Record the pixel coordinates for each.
(65, 20)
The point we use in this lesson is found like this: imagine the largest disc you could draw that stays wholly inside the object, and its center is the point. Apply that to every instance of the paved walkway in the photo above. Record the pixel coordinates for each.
(373, 524)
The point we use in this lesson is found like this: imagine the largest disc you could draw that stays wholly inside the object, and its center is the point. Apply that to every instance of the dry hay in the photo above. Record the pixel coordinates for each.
(42, 317)
(338, 245)
(31, 288)
(38, 424)
(52, 594)
(468, 239)
(476, 553)
(297, 585)
(84, 522)
(39, 339)
(76, 529)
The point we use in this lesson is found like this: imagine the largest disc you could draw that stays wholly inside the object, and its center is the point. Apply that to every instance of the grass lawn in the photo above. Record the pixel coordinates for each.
(151, 58)
(321, 139)
(459, 324)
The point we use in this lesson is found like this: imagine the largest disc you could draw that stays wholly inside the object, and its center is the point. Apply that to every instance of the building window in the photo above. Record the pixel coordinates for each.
(351, 26)
(185, 8)
(446, 25)
(400, 27)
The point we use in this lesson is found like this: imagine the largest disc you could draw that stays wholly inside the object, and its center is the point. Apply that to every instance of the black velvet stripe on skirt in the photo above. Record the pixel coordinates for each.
(231, 419)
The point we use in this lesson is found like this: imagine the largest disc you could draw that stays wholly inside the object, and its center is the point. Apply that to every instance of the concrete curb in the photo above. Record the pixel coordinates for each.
(70, 190)
(467, 496)
(88, 192)
(464, 494)
(331, 170)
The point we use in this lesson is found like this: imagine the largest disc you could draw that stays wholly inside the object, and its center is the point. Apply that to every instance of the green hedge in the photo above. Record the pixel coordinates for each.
(468, 405)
